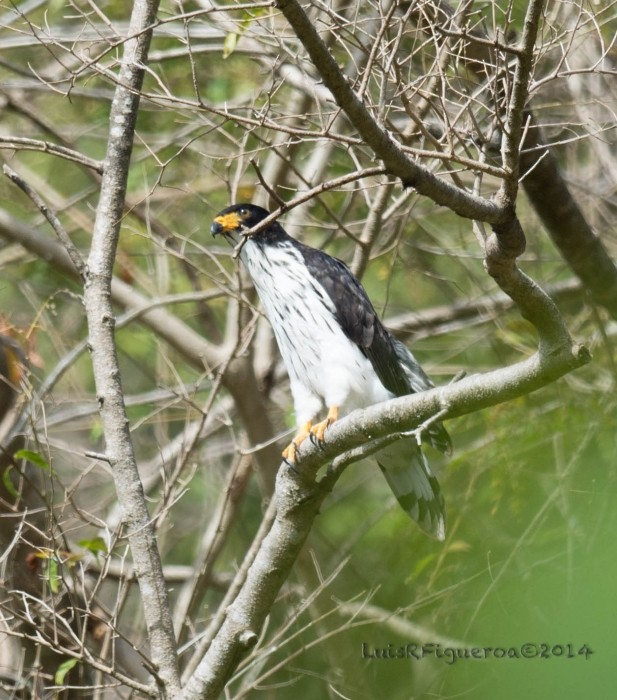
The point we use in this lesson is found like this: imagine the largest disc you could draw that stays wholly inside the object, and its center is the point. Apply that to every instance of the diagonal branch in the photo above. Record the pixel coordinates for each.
(299, 494)
(51, 217)
(396, 161)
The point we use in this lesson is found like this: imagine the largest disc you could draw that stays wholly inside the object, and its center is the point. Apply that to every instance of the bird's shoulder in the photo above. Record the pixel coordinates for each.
(354, 309)
(357, 316)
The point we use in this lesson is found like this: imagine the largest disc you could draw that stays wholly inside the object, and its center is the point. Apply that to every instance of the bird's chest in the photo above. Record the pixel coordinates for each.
(298, 308)
(317, 353)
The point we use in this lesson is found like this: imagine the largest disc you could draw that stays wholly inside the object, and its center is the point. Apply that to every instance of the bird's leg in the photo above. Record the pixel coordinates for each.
(319, 429)
(289, 453)
(316, 432)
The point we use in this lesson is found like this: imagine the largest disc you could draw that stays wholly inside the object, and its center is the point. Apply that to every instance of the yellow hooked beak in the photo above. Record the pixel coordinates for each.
(225, 224)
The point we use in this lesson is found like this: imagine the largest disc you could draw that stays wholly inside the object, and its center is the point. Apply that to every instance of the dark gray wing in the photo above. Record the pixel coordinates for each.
(437, 435)
(358, 318)
(392, 361)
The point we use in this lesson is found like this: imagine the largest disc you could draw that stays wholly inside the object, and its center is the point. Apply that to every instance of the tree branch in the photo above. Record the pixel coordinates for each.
(51, 217)
(99, 312)
(564, 221)
(395, 160)
(299, 495)
(23, 144)
(511, 142)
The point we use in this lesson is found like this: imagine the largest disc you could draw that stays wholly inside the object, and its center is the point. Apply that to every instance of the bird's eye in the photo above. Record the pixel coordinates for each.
(243, 212)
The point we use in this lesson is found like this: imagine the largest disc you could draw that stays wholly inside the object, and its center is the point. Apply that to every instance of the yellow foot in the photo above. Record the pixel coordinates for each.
(290, 452)
(318, 431)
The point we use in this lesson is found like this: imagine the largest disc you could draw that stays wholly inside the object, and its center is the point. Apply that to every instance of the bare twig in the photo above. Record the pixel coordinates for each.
(518, 101)
(51, 217)
(396, 162)
(216, 534)
(19, 143)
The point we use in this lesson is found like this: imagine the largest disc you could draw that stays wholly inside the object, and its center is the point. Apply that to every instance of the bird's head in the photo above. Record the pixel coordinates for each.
(237, 218)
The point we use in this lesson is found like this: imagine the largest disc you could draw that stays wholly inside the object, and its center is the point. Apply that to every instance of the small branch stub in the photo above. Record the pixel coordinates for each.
(247, 639)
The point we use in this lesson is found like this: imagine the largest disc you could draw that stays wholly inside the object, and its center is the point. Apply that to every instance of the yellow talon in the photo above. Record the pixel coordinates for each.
(319, 430)
(289, 453)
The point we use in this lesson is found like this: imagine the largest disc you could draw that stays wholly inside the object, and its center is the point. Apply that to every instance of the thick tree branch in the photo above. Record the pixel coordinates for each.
(100, 316)
(396, 161)
(564, 221)
(299, 495)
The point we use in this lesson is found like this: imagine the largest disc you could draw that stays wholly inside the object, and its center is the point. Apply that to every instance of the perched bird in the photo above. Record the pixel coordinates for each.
(338, 354)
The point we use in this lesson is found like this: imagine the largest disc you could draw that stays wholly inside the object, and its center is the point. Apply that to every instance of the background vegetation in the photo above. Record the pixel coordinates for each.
(232, 102)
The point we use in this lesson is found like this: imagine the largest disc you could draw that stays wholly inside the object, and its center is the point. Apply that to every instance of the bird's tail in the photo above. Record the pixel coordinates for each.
(414, 485)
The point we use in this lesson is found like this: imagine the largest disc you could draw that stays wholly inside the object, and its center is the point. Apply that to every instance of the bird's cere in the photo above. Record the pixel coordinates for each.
(225, 223)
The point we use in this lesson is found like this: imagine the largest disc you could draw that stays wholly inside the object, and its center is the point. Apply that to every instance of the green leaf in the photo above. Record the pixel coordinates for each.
(8, 484)
(231, 40)
(96, 545)
(63, 669)
(33, 457)
(52, 575)
(229, 46)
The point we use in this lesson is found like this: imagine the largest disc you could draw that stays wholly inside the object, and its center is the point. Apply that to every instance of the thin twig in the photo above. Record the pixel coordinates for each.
(51, 217)
(304, 197)
(24, 144)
